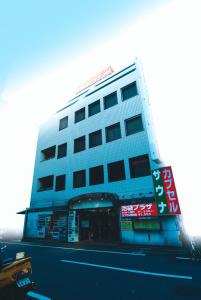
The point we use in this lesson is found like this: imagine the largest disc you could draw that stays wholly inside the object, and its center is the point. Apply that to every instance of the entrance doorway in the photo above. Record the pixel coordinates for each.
(98, 224)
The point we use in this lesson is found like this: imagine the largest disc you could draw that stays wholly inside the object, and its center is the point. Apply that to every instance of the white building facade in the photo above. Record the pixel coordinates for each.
(94, 156)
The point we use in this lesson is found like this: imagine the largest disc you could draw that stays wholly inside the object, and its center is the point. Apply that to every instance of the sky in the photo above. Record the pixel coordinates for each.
(49, 47)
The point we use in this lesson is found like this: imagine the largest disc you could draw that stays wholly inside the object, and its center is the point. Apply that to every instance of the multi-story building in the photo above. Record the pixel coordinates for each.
(95, 156)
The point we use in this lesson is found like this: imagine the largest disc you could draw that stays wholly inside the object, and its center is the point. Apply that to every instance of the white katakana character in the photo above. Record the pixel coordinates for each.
(135, 207)
(142, 206)
(171, 195)
(159, 190)
(173, 207)
(162, 206)
(170, 183)
(157, 174)
(167, 173)
(148, 206)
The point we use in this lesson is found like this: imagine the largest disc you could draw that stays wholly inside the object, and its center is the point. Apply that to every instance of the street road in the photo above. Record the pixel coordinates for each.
(72, 273)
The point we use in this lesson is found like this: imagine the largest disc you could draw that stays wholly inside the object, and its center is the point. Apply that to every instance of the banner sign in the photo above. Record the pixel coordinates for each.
(165, 192)
(139, 210)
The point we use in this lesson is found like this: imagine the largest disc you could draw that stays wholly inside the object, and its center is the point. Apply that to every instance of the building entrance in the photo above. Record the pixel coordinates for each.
(98, 224)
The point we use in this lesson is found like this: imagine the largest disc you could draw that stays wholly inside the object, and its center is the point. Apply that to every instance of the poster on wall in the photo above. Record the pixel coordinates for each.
(165, 192)
(44, 225)
(73, 233)
(126, 225)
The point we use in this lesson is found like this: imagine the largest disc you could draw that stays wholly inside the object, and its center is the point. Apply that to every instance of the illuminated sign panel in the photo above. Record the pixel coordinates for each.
(139, 210)
(97, 77)
(165, 191)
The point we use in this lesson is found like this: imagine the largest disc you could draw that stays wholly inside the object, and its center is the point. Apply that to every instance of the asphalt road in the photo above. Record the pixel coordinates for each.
(71, 274)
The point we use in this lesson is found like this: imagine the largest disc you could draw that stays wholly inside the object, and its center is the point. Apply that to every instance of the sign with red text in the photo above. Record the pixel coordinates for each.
(139, 210)
(165, 192)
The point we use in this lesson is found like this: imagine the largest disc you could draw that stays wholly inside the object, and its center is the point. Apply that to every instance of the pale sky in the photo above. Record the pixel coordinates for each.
(165, 36)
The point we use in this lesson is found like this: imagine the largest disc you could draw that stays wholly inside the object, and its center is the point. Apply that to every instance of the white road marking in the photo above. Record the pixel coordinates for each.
(37, 296)
(189, 258)
(79, 249)
(127, 270)
(138, 253)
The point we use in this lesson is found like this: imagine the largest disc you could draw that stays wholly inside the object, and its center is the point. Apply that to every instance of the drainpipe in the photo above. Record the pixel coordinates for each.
(25, 224)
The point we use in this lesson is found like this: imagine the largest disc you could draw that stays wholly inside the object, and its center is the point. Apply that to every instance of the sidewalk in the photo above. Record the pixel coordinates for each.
(116, 246)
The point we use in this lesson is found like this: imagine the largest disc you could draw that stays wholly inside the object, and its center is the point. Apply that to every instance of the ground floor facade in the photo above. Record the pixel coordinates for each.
(98, 217)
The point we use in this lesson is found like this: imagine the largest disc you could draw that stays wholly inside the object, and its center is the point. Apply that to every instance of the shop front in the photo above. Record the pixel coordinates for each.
(93, 217)
(46, 223)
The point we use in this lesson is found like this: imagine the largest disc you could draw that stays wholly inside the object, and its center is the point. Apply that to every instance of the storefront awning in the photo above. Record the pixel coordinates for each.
(62, 208)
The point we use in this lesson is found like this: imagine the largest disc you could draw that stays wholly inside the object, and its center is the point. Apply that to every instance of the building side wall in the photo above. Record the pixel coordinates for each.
(124, 148)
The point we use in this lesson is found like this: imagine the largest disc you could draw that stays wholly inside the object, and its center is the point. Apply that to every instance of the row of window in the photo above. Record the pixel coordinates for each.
(50, 152)
(112, 132)
(139, 166)
(108, 101)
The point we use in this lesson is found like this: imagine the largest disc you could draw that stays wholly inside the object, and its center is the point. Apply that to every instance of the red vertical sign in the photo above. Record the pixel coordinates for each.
(170, 191)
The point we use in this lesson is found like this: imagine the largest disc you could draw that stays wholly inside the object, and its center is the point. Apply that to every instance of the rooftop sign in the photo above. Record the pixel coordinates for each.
(97, 77)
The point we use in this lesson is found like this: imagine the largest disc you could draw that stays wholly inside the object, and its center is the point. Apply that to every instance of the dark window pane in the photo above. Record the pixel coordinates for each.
(133, 125)
(110, 100)
(95, 138)
(60, 182)
(48, 153)
(45, 183)
(113, 132)
(79, 179)
(63, 123)
(79, 144)
(62, 150)
(80, 115)
(96, 175)
(129, 91)
(139, 166)
(116, 171)
(94, 108)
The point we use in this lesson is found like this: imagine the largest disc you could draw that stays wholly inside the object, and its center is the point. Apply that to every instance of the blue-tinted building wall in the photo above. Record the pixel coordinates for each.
(140, 142)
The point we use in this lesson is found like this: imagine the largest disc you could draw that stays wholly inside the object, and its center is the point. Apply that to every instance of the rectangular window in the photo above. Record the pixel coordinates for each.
(129, 91)
(60, 182)
(79, 179)
(116, 171)
(133, 125)
(79, 144)
(63, 123)
(95, 138)
(139, 166)
(62, 150)
(94, 108)
(96, 175)
(48, 153)
(80, 115)
(110, 100)
(45, 183)
(113, 132)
